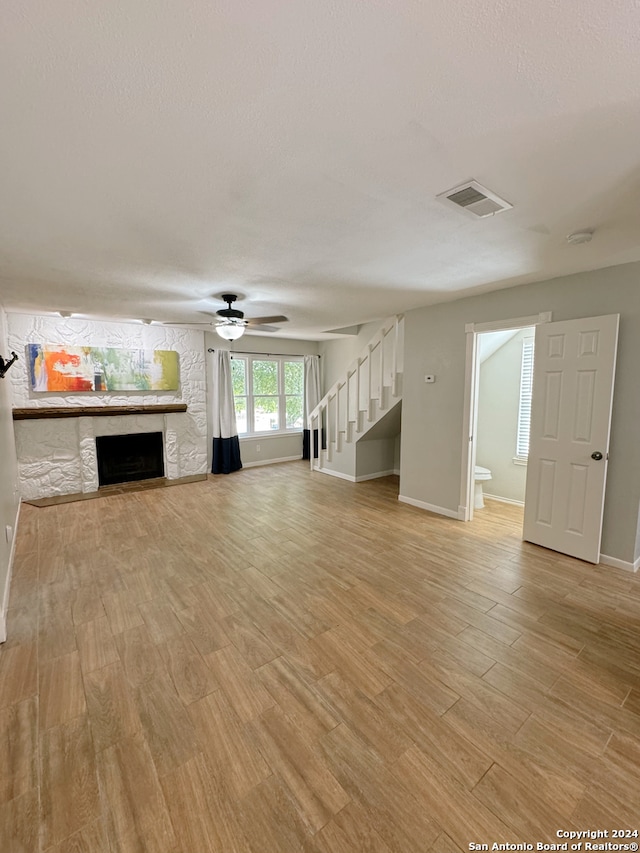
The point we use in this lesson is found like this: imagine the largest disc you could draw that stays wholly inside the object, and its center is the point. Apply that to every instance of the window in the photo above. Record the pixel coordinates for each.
(524, 407)
(268, 393)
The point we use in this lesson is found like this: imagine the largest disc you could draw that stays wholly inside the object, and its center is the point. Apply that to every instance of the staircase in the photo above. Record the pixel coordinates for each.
(367, 396)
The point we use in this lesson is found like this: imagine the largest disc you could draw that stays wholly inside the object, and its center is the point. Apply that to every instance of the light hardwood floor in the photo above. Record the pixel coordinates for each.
(279, 661)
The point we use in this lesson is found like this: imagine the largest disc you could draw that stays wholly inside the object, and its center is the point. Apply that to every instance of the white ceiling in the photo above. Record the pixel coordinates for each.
(153, 154)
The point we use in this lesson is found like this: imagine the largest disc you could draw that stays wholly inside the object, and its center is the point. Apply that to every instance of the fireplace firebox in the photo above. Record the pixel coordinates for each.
(124, 458)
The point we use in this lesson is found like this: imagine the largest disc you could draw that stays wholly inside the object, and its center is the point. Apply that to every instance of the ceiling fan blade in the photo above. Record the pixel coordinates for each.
(187, 323)
(259, 321)
(264, 328)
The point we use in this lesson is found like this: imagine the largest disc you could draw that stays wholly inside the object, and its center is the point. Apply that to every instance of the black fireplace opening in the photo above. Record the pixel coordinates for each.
(124, 458)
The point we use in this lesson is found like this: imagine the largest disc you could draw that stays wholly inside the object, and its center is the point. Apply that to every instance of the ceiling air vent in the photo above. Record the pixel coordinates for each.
(475, 198)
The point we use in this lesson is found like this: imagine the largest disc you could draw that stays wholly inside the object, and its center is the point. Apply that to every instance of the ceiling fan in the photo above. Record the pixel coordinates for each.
(231, 323)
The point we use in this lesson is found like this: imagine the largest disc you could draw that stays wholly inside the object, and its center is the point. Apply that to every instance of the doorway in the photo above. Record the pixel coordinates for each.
(495, 435)
(571, 405)
(505, 381)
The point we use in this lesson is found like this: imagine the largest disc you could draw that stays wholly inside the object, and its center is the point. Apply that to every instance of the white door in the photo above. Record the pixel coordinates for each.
(569, 441)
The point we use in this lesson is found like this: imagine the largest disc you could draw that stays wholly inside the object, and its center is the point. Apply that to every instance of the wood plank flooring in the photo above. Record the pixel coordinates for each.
(278, 661)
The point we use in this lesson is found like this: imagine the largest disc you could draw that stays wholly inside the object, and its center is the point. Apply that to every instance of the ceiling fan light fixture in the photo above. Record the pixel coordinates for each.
(230, 331)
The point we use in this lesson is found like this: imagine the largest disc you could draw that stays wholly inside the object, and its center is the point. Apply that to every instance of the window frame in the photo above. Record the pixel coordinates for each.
(523, 431)
(249, 358)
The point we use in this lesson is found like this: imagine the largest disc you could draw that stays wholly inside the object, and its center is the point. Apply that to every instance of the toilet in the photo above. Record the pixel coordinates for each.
(481, 475)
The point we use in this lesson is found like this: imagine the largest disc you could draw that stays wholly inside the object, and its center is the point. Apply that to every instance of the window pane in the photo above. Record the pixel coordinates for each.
(241, 414)
(265, 414)
(294, 412)
(293, 377)
(265, 377)
(239, 375)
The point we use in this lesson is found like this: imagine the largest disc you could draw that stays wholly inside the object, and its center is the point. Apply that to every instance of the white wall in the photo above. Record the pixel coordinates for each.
(497, 428)
(432, 417)
(57, 456)
(267, 448)
(9, 497)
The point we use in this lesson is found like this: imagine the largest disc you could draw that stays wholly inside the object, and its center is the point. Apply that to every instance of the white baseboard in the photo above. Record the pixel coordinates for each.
(615, 563)
(439, 510)
(7, 585)
(271, 461)
(504, 500)
(338, 474)
(364, 477)
(351, 479)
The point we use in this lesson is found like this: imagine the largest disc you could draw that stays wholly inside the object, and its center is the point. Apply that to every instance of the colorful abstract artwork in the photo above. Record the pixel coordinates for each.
(54, 367)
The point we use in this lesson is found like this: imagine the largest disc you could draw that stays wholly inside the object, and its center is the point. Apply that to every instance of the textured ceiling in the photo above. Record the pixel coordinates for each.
(154, 154)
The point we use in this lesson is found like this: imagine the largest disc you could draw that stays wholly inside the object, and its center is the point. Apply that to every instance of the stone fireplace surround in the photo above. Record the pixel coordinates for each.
(57, 456)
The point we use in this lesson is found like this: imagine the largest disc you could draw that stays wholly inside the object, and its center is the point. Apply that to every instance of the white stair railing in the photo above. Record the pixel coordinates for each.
(371, 383)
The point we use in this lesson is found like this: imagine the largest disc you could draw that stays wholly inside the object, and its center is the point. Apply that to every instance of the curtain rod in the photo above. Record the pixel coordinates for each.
(293, 354)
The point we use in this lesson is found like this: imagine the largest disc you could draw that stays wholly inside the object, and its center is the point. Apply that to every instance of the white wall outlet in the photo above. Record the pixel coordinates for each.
(429, 378)
(257, 448)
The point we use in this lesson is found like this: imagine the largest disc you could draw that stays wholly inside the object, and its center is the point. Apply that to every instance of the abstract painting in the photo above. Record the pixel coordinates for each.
(56, 367)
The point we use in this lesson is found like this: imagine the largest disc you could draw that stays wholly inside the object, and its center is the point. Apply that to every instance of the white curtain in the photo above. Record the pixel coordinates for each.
(226, 446)
(311, 400)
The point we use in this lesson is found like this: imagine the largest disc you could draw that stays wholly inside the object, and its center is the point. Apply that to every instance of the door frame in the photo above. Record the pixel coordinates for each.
(471, 388)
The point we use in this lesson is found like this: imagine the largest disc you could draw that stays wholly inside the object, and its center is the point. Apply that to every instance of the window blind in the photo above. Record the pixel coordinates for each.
(524, 407)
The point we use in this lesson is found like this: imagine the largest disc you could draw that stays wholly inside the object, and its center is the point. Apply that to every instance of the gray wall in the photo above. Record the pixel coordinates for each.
(338, 354)
(396, 453)
(497, 429)
(432, 417)
(272, 447)
(9, 498)
(344, 462)
(375, 457)
(378, 452)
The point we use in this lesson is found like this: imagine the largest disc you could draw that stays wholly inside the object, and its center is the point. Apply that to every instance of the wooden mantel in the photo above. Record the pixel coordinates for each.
(96, 411)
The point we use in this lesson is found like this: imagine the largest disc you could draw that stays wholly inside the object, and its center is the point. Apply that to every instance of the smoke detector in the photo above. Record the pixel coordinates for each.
(579, 237)
(476, 199)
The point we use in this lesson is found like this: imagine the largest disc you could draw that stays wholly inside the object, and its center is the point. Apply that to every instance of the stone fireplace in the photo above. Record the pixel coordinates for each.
(57, 454)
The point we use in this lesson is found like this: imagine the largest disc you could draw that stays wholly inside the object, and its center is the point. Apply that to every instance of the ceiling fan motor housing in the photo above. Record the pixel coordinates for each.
(230, 313)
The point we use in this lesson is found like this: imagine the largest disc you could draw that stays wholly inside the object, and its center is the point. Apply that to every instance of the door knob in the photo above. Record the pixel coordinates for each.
(596, 455)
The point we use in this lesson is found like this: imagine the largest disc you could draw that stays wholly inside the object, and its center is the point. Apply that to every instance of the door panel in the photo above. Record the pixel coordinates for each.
(546, 490)
(570, 419)
(552, 400)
